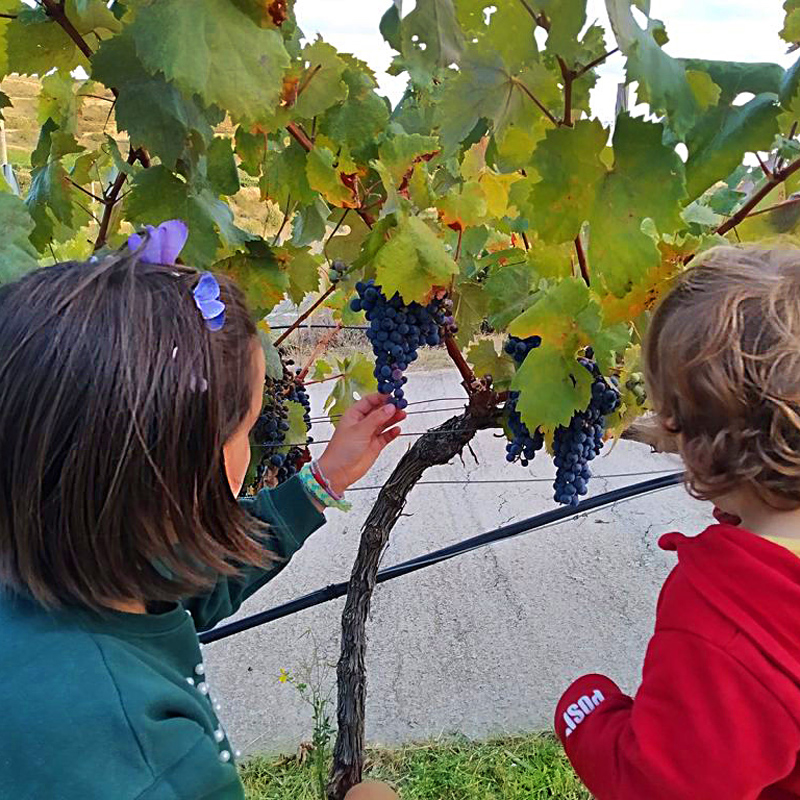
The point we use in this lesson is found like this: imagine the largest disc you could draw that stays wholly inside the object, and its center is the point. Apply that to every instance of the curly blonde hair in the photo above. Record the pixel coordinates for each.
(723, 371)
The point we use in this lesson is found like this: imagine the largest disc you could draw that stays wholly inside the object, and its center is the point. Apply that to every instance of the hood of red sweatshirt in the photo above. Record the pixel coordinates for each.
(751, 581)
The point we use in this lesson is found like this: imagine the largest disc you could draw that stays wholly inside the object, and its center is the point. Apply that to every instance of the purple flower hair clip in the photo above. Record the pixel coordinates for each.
(163, 245)
(160, 245)
(206, 297)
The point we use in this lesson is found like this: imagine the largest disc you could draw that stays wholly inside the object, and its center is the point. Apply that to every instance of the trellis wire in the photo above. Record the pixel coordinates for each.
(539, 521)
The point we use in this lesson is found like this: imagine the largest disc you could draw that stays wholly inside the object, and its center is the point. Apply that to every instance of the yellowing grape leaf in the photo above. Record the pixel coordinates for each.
(403, 151)
(471, 307)
(463, 208)
(552, 387)
(333, 176)
(413, 261)
(555, 314)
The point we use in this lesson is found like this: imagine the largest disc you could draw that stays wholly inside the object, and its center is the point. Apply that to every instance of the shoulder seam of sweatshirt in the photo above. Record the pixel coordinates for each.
(124, 711)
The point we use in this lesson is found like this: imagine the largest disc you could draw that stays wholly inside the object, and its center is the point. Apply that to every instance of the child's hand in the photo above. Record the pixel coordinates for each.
(363, 431)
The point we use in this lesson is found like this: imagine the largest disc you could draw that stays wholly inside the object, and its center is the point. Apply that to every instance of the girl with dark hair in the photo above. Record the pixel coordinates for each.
(128, 387)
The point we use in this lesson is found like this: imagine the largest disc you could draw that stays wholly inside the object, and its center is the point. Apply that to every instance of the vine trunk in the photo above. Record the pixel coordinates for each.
(436, 447)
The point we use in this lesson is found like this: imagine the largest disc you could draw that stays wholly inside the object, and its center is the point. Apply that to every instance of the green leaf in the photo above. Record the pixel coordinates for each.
(284, 178)
(431, 39)
(735, 77)
(486, 361)
(322, 85)
(298, 432)
(358, 122)
(471, 308)
(155, 112)
(789, 85)
(222, 173)
(464, 208)
(511, 288)
(662, 79)
(357, 380)
(567, 18)
(310, 223)
(274, 365)
(259, 274)
(706, 92)
(723, 135)
(302, 268)
(214, 50)
(568, 387)
(485, 88)
(251, 149)
(17, 254)
(35, 44)
(58, 101)
(413, 261)
(791, 24)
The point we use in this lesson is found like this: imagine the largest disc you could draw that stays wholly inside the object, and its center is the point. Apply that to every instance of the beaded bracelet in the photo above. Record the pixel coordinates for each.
(311, 483)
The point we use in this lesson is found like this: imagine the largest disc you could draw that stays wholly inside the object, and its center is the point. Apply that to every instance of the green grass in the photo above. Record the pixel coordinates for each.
(529, 768)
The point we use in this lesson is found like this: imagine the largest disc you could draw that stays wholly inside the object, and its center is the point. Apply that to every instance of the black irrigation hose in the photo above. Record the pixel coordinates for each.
(336, 590)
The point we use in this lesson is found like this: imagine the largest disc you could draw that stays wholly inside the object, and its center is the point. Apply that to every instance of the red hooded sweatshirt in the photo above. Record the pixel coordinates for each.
(717, 715)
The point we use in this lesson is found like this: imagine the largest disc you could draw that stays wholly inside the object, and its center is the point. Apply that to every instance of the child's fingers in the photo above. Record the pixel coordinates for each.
(388, 436)
(367, 404)
(382, 417)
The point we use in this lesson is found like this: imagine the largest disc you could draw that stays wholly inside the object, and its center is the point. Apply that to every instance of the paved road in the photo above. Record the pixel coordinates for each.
(481, 645)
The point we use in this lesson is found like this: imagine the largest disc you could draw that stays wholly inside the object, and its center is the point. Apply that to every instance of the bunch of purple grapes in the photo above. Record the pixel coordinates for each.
(396, 331)
(524, 444)
(579, 442)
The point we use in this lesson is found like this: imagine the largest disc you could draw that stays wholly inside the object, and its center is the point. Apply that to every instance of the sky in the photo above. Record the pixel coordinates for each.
(735, 30)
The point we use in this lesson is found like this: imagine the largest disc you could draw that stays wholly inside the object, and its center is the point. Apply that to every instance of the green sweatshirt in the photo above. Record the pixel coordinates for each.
(117, 707)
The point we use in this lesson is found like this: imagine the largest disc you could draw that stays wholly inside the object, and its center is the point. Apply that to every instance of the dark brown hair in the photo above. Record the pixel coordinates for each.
(115, 402)
(723, 372)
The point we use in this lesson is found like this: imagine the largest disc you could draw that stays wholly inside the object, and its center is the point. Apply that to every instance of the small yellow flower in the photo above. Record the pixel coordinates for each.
(284, 676)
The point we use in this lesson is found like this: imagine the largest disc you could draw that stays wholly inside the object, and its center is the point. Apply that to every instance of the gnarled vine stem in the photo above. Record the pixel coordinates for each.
(437, 446)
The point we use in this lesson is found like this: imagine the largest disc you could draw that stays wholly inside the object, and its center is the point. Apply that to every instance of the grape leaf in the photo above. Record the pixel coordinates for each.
(401, 152)
(309, 224)
(357, 379)
(568, 387)
(259, 274)
(58, 101)
(511, 289)
(321, 85)
(272, 357)
(302, 268)
(17, 254)
(284, 177)
(662, 79)
(346, 245)
(333, 176)
(413, 261)
(510, 30)
(358, 122)
(251, 149)
(791, 23)
(706, 92)
(430, 39)
(555, 314)
(486, 361)
(214, 50)
(471, 307)
(735, 77)
(155, 113)
(484, 87)
(221, 169)
(569, 167)
(35, 44)
(723, 135)
(463, 208)
(567, 18)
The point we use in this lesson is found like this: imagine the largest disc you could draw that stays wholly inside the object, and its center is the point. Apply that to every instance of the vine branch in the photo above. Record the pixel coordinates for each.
(306, 314)
(55, 11)
(596, 63)
(569, 76)
(321, 347)
(776, 178)
(468, 379)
